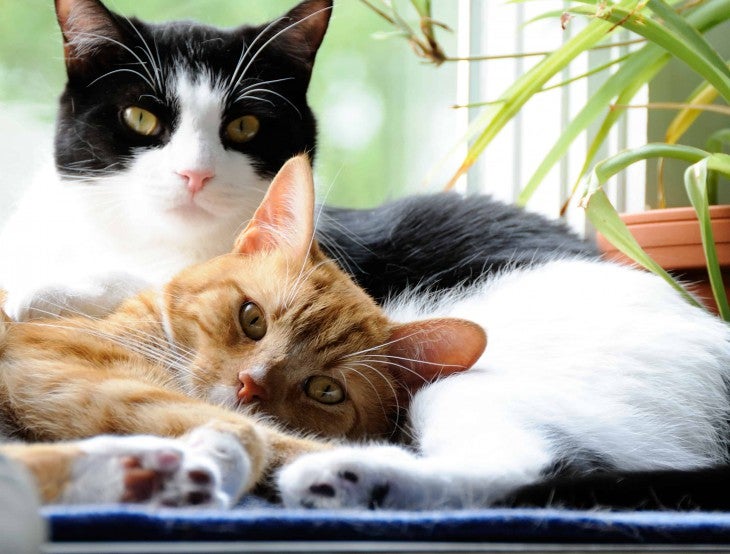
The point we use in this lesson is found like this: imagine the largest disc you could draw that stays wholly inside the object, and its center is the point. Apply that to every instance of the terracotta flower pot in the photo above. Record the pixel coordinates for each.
(672, 237)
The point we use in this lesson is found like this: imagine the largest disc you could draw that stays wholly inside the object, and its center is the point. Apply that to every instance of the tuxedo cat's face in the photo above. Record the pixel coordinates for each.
(181, 126)
(276, 328)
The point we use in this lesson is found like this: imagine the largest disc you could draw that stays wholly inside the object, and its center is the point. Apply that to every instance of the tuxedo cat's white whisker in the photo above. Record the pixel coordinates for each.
(122, 70)
(235, 80)
(260, 83)
(269, 91)
(156, 67)
(149, 80)
(276, 35)
(229, 88)
(258, 98)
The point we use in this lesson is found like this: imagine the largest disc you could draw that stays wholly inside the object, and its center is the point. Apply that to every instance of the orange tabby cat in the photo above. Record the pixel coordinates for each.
(252, 331)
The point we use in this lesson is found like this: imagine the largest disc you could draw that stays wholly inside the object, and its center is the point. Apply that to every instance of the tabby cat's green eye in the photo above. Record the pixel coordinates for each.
(141, 121)
(243, 128)
(253, 321)
(324, 389)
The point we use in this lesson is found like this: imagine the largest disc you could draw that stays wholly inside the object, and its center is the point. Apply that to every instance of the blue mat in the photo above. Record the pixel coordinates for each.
(260, 522)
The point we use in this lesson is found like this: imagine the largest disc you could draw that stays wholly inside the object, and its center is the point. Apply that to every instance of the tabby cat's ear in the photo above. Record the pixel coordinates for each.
(302, 29)
(87, 27)
(285, 218)
(434, 348)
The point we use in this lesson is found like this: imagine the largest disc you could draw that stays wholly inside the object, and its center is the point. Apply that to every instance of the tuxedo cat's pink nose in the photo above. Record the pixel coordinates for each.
(250, 390)
(196, 178)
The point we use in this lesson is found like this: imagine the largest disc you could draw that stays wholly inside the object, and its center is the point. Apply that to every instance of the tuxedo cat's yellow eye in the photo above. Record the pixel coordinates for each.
(141, 121)
(324, 389)
(243, 129)
(253, 321)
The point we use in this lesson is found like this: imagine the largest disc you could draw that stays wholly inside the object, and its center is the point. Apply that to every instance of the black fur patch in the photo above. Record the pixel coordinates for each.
(705, 489)
(440, 241)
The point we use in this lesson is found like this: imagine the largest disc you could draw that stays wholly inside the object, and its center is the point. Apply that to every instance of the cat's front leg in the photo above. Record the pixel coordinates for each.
(89, 295)
(139, 469)
(390, 477)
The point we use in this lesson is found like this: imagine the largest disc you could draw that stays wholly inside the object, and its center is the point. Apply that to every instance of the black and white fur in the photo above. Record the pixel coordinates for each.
(114, 215)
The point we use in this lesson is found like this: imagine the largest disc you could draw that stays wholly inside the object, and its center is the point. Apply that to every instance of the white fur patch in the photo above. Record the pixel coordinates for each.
(141, 220)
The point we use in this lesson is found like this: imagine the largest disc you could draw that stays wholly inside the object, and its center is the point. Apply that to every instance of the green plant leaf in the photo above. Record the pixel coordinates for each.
(695, 181)
(691, 50)
(492, 121)
(604, 216)
(642, 64)
(642, 67)
(690, 36)
(607, 221)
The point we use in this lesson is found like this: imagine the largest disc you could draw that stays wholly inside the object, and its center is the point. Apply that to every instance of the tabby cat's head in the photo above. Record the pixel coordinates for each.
(180, 126)
(277, 328)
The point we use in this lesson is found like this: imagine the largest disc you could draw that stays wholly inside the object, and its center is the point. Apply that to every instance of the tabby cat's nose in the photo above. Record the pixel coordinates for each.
(250, 390)
(196, 178)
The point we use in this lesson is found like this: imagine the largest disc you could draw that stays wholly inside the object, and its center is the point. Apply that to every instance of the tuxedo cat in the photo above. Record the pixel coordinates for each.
(166, 140)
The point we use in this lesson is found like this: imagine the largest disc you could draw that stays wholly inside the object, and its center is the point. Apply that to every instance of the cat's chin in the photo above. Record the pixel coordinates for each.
(190, 213)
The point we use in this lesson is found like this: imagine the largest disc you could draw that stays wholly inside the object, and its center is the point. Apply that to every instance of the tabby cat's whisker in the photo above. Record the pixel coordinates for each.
(302, 278)
(403, 367)
(383, 377)
(423, 362)
(379, 346)
(130, 339)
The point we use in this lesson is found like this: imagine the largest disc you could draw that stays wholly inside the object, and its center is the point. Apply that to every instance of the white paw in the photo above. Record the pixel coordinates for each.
(371, 478)
(93, 296)
(226, 451)
(144, 469)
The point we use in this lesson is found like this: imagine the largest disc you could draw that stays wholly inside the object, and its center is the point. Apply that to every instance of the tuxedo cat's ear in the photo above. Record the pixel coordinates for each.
(303, 28)
(87, 26)
(434, 348)
(285, 218)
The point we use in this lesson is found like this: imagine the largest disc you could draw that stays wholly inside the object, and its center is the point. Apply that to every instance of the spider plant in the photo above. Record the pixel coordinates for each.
(670, 29)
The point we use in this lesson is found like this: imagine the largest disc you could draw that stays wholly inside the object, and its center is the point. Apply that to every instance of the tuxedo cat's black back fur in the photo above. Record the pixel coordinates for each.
(703, 489)
(440, 241)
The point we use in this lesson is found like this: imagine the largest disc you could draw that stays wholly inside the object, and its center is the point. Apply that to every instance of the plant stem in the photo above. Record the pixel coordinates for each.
(534, 54)
(725, 110)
